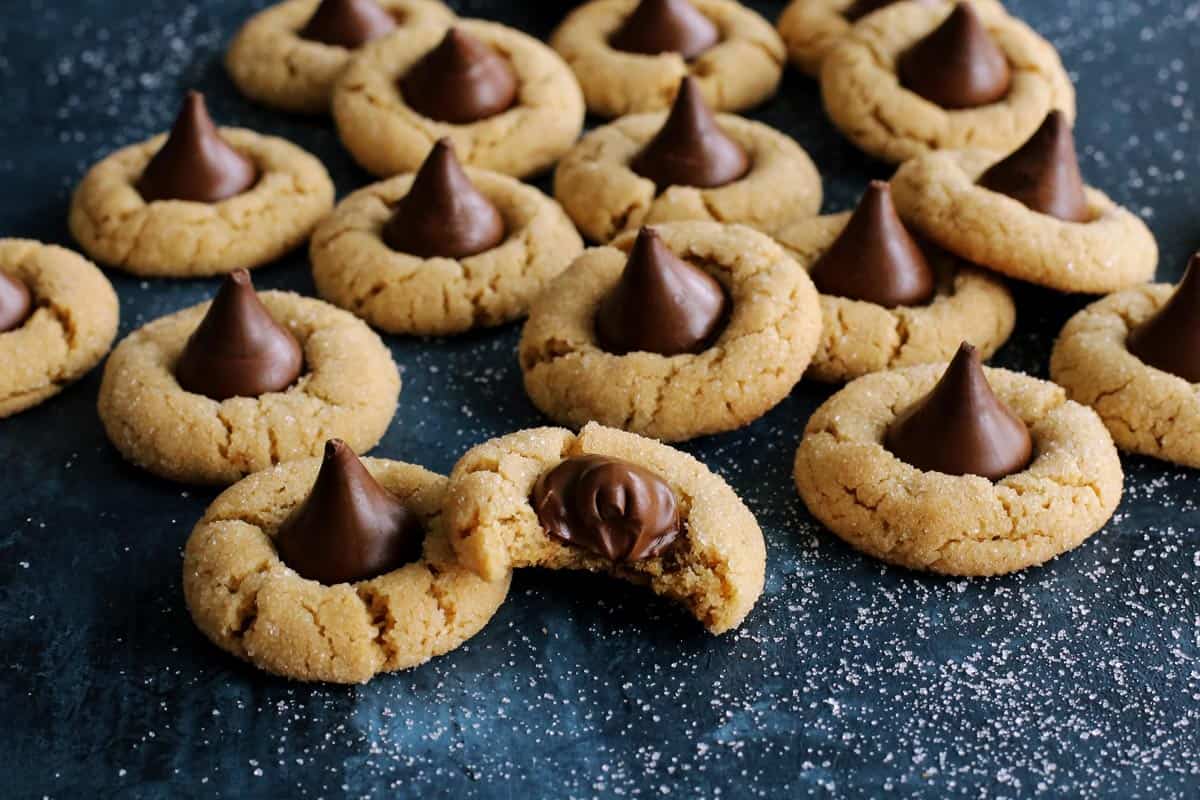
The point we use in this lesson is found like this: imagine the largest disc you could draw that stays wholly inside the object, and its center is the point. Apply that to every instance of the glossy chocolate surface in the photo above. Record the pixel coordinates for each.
(666, 26)
(1044, 172)
(958, 65)
(462, 80)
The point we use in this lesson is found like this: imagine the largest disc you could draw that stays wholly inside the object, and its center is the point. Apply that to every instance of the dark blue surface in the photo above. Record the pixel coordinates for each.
(1081, 678)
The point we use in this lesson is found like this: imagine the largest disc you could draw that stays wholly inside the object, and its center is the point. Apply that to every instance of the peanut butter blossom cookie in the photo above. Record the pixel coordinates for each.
(1135, 358)
(612, 502)
(687, 164)
(289, 56)
(507, 102)
(629, 55)
(688, 329)
(58, 317)
(222, 389)
(333, 570)
(888, 300)
(958, 470)
(199, 201)
(916, 77)
(443, 251)
(1027, 215)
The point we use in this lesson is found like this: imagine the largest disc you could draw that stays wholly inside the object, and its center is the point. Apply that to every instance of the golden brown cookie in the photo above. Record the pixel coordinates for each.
(249, 603)
(387, 137)
(272, 63)
(400, 293)
(739, 72)
(347, 391)
(865, 100)
(957, 525)
(758, 357)
(1147, 410)
(938, 195)
(859, 337)
(811, 27)
(605, 197)
(178, 239)
(70, 327)
(716, 569)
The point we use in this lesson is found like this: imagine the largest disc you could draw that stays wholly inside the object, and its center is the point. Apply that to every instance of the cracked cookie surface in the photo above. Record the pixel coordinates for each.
(957, 525)
(740, 71)
(388, 137)
(811, 27)
(605, 197)
(251, 604)
(179, 239)
(865, 100)
(348, 390)
(772, 331)
(938, 194)
(715, 569)
(271, 63)
(1147, 411)
(860, 337)
(400, 293)
(74, 320)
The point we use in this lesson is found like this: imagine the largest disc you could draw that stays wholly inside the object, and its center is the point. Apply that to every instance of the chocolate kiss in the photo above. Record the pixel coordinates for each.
(16, 302)
(961, 427)
(1044, 172)
(238, 349)
(607, 506)
(661, 304)
(863, 7)
(349, 528)
(195, 163)
(691, 149)
(348, 23)
(666, 26)
(461, 80)
(874, 258)
(1170, 340)
(443, 214)
(958, 65)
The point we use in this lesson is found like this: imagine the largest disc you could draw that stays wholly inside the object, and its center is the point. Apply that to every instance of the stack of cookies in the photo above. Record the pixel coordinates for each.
(712, 287)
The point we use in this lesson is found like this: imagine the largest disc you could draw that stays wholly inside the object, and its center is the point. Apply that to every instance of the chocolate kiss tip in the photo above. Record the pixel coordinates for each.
(666, 26)
(16, 302)
(444, 215)
(461, 80)
(691, 149)
(958, 65)
(875, 259)
(961, 427)
(1043, 173)
(661, 304)
(348, 23)
(196, 164)
(1170, 340)
(238, 349)
(349, 528)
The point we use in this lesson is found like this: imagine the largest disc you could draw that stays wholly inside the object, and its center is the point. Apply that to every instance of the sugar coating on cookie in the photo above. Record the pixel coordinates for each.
(605, 197)
(348, 390)
(273, 62)
(66, 330)
(387, 136)
(957, 525)
(773, 327)
(740, 71)
(860, 337)
(246, 600)
(1147, 410)
(864, 98)
(354, 268)
(114, 224)
(939, 195)
(715, 568)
